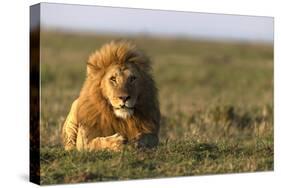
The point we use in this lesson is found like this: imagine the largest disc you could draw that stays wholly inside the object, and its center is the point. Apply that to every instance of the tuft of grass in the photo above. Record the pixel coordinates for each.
(216, 101)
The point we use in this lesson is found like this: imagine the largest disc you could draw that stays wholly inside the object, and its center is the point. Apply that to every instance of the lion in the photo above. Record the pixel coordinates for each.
(118, 103)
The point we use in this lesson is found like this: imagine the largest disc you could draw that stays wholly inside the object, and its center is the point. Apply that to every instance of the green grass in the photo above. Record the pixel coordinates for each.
(216, 101)
(177, 158)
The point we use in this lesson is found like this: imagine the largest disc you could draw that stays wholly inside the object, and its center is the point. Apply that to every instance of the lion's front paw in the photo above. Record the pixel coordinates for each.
(146, 141)
(114, 142)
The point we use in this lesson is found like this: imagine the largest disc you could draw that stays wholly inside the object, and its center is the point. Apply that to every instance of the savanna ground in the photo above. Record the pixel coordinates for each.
(216, 101)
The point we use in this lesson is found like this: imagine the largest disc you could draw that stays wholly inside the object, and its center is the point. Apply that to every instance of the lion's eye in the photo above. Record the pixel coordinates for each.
(113, 79)
(133, 78)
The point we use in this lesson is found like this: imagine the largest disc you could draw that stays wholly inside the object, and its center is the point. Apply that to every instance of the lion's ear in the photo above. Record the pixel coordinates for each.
(91, 69)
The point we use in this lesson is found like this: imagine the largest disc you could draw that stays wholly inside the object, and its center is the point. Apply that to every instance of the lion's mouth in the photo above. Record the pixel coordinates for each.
(124, 111)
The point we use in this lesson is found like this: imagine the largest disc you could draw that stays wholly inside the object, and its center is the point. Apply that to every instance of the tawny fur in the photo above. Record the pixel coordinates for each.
(92, 124)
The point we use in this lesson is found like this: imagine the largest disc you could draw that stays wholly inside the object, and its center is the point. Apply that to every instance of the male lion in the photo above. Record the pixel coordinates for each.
(117, 104)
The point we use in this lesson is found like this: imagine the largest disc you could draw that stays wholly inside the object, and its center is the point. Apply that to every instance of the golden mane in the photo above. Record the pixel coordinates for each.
(93, 110)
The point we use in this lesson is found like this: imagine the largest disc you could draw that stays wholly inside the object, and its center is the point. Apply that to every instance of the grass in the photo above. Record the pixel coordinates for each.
(216, 101)
(177, 158)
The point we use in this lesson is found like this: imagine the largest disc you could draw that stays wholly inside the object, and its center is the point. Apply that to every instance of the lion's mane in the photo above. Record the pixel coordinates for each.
(95, 114)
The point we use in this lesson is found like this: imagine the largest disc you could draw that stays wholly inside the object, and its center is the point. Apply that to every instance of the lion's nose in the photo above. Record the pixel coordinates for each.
(124, 98)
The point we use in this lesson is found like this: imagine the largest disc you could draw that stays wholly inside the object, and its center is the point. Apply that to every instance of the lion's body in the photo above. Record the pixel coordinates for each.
(96, 120)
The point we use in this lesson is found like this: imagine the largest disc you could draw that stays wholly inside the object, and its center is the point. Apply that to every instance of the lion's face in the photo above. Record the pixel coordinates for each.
(120, 86)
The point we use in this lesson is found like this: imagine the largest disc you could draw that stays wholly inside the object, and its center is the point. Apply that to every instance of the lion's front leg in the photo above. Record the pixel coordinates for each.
(113, 143)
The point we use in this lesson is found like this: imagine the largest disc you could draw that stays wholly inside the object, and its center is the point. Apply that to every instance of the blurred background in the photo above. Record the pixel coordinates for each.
(212, 70)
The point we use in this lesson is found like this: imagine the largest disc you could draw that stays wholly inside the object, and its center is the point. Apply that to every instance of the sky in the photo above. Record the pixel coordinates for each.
(156, 22)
